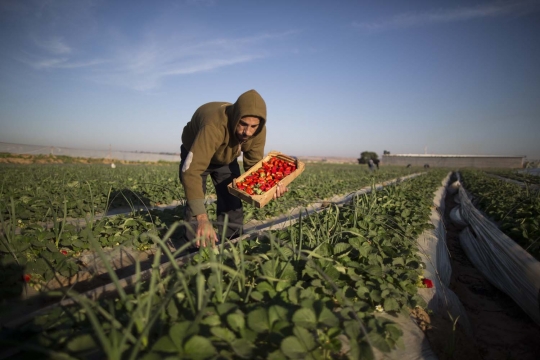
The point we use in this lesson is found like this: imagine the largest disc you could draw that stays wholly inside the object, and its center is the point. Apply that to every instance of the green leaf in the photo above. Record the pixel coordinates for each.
(374, 270)
(352, 329)
(379, 341)
(243, 348)
(212, 320)
(365, 352)
(365, 249)
(390, 304)
(255, 295)
(361, 291)
(328, 318)
(51, 247)
(37, 243)
(225, 308)
(223, 333)
(265, 286)
(282, 285)
(293, 348)
(78, 243)
(293, 293)
(276, 355)
(68, 268)
(199, 347)
(178, 332)
(258, 320)
(165, 344)
(172, 310)
(305, 317)
(81, 343)
(356, 242)
(398, 261)
(305, 338)
(268, 269)
(341, 248)
(375, 295)
(152, 356)
(394, 331)
(236, 321)
(277, 313)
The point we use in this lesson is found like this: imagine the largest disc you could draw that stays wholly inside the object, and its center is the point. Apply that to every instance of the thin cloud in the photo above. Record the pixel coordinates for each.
(54, 45)
(416, 19)
(160, 49)
(145, 66)
(48, 63)
(209, 65)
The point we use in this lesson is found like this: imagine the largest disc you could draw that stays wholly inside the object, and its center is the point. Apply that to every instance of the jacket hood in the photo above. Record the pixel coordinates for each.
(249, 103)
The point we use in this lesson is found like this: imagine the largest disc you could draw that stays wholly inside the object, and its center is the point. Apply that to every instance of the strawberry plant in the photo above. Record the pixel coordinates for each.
(518, 176)
(308, 291)
(39, 222)
(516, 210)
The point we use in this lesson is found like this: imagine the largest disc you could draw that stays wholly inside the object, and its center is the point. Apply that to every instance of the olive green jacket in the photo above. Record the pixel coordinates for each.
(210, 139)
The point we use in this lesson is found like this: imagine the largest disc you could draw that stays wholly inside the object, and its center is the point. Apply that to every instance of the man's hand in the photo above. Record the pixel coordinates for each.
(205, 232)
(281, 189)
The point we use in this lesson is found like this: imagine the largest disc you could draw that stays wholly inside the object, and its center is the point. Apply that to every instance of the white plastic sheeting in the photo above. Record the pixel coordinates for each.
(435, 255)
(440, 299)
(455, 216)
(502, 261)
(416, 345)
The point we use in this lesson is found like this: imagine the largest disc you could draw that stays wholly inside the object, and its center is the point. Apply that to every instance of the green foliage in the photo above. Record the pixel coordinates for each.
(515, 209)
(365, 156)
(303, 292)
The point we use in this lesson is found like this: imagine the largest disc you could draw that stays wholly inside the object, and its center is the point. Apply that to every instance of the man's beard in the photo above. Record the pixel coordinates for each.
(242, 139)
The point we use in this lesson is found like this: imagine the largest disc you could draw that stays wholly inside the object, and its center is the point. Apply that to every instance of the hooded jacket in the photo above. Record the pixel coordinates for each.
(210, 139)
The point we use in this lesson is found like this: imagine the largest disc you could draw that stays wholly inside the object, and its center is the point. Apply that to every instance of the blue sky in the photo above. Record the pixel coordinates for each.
(338, 77)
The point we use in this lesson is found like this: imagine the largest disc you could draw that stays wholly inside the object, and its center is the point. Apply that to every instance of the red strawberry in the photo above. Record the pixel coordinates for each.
(27, 278)
(428, 283)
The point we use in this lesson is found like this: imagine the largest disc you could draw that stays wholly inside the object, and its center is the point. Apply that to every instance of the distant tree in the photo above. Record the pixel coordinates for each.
(366, 155)
(386, 152)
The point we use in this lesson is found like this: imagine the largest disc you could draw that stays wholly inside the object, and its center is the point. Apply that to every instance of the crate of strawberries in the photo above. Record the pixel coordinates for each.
(258, 185)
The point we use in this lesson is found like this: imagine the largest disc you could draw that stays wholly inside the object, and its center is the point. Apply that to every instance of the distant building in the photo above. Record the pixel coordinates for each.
(454, 161)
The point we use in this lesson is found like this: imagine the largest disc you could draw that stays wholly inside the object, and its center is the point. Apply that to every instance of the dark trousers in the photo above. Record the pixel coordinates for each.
(227, 204)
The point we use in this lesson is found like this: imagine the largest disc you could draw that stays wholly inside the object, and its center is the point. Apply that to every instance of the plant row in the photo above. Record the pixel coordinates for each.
(310, 291)
(41, 193)
(58, 244)
(523, 177)
(45, 193)
(515, 210)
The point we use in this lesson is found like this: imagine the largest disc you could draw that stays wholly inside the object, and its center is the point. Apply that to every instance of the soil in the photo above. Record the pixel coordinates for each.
(500, 328)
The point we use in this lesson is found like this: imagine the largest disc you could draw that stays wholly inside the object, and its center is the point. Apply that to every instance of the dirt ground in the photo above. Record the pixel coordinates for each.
(501, 330)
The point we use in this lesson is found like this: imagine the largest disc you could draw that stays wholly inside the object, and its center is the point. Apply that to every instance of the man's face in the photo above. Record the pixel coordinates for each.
(246, 127)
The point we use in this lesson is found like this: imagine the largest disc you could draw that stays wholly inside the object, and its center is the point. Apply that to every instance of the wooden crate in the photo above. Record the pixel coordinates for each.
(261, 200)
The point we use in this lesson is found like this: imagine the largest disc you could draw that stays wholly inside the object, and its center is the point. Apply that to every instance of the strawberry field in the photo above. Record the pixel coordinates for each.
(338, 282)
(49, 214)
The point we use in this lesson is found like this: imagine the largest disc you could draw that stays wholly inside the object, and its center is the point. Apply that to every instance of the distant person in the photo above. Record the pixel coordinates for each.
(426, 166)
(408, 165)
(211, 143)
(376, 162)
(371, 165)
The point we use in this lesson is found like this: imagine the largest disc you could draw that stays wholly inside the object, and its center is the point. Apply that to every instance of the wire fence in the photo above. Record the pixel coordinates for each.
(86, 153)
